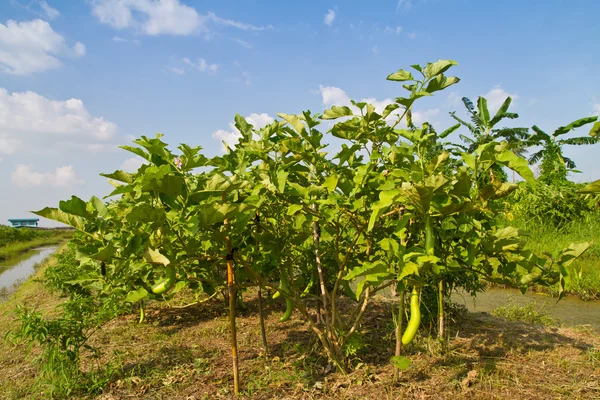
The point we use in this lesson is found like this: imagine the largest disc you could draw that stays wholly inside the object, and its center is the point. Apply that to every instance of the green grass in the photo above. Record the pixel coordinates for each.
(530, 314)
(585, 272)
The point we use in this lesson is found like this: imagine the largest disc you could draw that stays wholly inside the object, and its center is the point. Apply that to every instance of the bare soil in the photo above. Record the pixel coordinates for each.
(184, 353)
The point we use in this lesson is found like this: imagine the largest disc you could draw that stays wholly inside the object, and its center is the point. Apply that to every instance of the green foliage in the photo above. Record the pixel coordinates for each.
(555, 166)
(281, 206)
(13, 235)
(62, 339)
(482, 129)
(529, 313)
(549, 204)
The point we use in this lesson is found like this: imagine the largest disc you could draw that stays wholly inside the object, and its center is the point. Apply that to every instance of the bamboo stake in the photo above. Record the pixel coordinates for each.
(232, 299)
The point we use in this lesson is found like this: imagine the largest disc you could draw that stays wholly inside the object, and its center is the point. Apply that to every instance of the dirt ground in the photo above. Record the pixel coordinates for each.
(185, 354)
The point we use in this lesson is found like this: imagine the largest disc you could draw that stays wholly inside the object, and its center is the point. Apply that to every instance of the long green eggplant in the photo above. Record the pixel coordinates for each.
(415, 317)
(167, 282)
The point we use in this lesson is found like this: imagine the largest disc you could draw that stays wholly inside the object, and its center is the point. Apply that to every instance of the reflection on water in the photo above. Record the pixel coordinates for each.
(570, 310)
(21, 267)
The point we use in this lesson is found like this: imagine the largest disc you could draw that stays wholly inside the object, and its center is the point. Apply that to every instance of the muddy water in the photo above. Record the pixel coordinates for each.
(570, 310)
(19, 268)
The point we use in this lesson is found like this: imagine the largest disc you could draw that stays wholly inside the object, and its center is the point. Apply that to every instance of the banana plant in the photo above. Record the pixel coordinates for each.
(483, 130)
(555, 165)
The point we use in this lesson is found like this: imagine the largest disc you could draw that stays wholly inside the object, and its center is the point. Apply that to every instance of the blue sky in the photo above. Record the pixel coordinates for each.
(78, 78)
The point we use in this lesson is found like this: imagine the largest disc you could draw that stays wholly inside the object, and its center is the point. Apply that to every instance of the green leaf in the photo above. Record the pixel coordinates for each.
(441, 82)
(337, 112)
(448, 131)
(573, 125)
(438, 67)
(136, 295)
(61, 216)
(595, 131)
(400, 362)
(120, 176)
(501, 113)
(470, 160)
(331, 183)
(75, 206)
(593, 187)
(294, 122)
(517, 164)
(400, 76)
(99, 206)
(483, 110)
(294, 208)
(137, 151)
(154, 257)
(390, 108)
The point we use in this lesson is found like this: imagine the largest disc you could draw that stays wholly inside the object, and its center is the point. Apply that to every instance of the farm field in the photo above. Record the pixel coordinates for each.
(183, 354)
(299, 200)
(278, 270)
(16, 241)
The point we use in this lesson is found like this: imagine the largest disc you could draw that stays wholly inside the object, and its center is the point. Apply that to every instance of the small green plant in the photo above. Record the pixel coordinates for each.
(530, 313)
(61, 340)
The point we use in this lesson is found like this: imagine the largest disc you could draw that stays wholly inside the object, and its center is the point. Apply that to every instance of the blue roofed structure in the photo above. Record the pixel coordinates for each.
(21, 222)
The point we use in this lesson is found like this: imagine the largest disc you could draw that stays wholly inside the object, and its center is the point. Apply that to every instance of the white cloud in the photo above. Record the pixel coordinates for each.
(151, 17)
(329, 17)
(119, 39)
(404, 4)
(158, 17)
(50, 12)
(132, 164)
(421, 116)
(237, 24)
(79, 49)
(25, 176)
(243, 43)
(396, 30)
(178, 71)
(27, 117)
(596, 109)
(412, 35)
(244, 78)
(453, 100)
(232, 136)
(375, 50)
(202, 65)
(496, 97)
(30, 47)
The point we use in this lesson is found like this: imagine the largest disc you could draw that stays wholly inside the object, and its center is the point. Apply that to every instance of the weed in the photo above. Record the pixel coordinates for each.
(530, 314)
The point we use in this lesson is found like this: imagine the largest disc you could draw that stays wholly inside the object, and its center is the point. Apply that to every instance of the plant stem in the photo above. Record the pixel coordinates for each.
(262, 322)
(316, 236)
(441, 310)
(399, 323)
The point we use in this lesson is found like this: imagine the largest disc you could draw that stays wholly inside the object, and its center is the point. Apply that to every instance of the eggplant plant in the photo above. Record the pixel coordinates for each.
(394, 205)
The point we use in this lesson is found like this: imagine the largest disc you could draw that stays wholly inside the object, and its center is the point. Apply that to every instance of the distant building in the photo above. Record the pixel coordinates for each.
(19, 222)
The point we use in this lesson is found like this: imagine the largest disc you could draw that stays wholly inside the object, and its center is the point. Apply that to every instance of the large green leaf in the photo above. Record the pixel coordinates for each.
(337, 112)
(517, 164)
(75, 206)
(400, 76)
(61, 216)
(573, 125)
(595, 131)
(484, 113)
(438, 67)
(136, 295)
(400, 362)
(593, 187)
